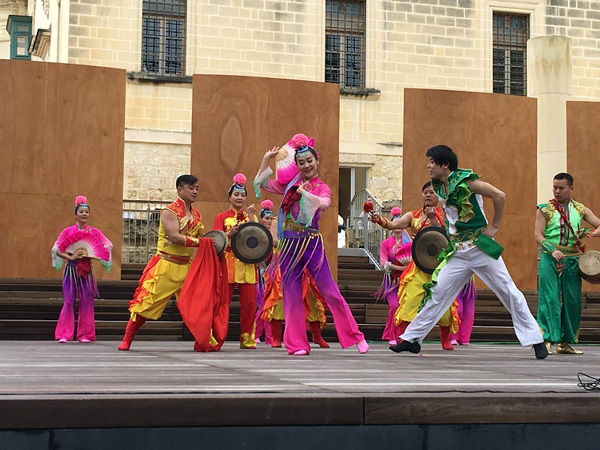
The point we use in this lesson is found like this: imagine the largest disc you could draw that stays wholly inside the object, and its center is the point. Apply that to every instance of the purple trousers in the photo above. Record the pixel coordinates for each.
(305, 250)
(261, 325)
(83, 289)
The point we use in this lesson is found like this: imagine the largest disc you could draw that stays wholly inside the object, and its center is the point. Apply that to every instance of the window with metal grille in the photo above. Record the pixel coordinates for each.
(345, 43)
(163, 37)
(511, 32)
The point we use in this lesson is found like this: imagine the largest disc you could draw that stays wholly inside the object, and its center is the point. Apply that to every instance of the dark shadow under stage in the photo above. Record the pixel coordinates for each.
(61, 394)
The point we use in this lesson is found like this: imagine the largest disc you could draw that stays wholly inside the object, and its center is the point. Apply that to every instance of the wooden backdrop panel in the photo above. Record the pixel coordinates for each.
(235, 120)
(496, 136)
(31, 245)
(62, 134)
(583, 160)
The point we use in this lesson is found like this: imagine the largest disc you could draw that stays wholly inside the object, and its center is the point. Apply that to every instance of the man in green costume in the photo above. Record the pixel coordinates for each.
(557, 228)
(472, 250)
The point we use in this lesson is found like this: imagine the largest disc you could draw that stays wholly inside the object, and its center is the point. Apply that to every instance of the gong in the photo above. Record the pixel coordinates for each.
(426, 247)
(252, 243)
(220, 239)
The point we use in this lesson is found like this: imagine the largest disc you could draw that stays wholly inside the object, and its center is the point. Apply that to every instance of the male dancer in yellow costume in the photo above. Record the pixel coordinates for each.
(180, 228)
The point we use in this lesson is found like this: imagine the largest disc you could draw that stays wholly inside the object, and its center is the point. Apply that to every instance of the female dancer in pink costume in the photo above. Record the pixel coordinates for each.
(305, 197)
(78, 279)
(394, 254)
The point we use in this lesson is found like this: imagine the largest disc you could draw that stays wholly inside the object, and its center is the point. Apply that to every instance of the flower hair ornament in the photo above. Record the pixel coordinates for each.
(396, 212)
(81, 200)
(267, 209)
(239, 184)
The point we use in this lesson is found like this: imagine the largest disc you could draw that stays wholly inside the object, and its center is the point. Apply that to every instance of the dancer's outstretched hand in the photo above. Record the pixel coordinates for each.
(271, 153)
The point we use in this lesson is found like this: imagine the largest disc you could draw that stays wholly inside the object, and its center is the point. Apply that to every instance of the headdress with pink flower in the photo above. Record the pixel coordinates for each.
(396, 212)
(267, 208)
(81, 200)
(286, 158)
(239, 184)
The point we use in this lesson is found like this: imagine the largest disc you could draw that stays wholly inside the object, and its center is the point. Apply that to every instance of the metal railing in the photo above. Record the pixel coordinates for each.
(366, 232)
(141, 219)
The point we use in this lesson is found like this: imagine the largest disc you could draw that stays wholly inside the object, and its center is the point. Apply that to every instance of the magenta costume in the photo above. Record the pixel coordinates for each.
(466, 313)
(78, 283)
(397, 252)
(300, 247)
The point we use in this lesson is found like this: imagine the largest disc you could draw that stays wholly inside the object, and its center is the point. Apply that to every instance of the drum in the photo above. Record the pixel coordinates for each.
(427, 245)
(589, 266)
(252, 243)
(220, 239)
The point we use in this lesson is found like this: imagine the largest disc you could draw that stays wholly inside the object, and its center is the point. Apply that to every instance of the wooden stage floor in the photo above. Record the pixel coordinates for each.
(47, 385)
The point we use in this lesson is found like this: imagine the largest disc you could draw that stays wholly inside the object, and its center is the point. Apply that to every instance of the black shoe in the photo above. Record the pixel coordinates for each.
(406, 346)
(540, 350)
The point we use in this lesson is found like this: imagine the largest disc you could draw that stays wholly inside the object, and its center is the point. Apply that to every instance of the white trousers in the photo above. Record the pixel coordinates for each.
(452, 278)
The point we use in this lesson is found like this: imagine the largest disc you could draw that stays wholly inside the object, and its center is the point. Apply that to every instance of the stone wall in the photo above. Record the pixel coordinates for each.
(579, 21)
(152, 168)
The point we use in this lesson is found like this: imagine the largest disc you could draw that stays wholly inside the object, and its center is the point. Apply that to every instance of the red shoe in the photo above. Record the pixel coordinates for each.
(315, 328)
(130, 332)
(276, 327)
(445, 338)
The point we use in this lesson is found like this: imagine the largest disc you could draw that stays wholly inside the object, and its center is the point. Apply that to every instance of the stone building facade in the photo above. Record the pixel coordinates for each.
(439, 44)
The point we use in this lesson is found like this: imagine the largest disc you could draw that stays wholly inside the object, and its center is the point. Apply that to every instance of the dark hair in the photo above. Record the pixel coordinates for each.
(264, 212)
(82, 204)
(306, 148)
(425, 186)
(230, 191)
(182, 180)
(564, 176)
(443, 155)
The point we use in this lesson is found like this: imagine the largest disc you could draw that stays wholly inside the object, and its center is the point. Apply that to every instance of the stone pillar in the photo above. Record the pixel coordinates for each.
(549, 80)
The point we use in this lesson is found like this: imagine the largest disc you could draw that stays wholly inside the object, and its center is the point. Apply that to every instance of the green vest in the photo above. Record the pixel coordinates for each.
(557, 232)
(464, 210)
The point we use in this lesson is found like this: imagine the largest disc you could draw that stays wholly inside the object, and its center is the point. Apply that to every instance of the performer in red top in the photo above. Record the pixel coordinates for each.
(179, 231)
(240, 273)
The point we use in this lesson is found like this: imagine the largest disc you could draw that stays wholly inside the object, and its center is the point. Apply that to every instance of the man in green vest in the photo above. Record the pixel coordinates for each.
(557, 232)
(472, 250)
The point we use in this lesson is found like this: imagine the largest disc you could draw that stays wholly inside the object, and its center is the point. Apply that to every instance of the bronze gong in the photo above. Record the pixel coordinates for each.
(252, 243)
(426, 247)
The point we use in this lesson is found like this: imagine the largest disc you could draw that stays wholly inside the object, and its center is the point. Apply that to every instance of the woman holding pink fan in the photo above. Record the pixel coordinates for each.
(394, 254)
(300, 247)
(79, 244)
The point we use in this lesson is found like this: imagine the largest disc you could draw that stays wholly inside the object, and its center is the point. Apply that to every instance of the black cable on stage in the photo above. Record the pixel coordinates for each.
(587, 382)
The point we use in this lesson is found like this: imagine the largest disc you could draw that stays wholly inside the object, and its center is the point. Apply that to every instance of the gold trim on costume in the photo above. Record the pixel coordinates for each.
(291, 225)
(177, 259)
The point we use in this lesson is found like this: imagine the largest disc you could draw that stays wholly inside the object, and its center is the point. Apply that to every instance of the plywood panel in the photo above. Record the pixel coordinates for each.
(583, 160)
(62, 134)
(42, 218)
(235, 120)
(495, 135)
